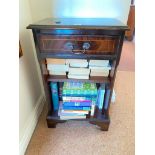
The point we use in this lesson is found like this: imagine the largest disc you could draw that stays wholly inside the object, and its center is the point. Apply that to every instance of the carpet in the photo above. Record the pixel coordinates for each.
(127, 61)
(82, 138)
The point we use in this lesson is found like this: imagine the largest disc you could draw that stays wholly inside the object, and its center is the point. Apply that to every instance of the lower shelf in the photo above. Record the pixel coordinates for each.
(99, 119)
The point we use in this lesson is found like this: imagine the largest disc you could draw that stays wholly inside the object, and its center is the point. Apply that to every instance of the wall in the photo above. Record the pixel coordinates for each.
(40, 9)
(91, 8)
(80, 8)
(31, 94)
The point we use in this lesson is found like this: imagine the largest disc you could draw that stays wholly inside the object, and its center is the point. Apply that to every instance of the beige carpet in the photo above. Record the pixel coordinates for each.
(127, 61)
(82, 138)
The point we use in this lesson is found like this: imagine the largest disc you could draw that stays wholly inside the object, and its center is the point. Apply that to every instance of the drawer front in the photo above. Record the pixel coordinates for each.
(74, 44)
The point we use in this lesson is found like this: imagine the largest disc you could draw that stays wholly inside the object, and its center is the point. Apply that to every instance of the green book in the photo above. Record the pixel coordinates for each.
(79, 88)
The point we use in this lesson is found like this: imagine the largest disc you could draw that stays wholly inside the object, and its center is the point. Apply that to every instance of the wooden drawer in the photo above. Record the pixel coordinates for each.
(78, 44)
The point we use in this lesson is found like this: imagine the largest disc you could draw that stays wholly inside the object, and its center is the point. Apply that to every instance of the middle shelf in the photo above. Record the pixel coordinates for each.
(63, 70)
(63, 78)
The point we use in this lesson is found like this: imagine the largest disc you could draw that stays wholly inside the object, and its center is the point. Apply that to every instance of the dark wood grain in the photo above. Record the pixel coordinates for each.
(63, 78)
(99, 45)
(106, 39)
(80, 23)
(78, 31)
(68, 55)
(98, 119)
(131, 24)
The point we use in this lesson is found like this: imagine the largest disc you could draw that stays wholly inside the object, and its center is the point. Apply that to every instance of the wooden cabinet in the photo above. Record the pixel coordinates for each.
(79, 39)
(131, 23)
(77, 44)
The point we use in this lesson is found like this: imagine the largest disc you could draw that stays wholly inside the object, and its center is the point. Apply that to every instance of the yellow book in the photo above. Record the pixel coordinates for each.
(56, 61)
(57, 72)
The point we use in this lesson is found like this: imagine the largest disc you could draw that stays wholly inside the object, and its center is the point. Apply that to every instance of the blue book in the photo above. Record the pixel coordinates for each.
(107, 99)
(83, 103)
(77, 95)
(71, 114)
(76, 108)
(100, 97)
(55, 97)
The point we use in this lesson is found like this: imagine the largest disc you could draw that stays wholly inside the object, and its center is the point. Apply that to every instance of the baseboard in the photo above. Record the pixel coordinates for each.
(30, 125)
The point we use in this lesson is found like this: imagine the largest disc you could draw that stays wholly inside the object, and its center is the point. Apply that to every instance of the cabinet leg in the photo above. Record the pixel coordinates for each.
(104, 126)
(129, 38)
(51, 124)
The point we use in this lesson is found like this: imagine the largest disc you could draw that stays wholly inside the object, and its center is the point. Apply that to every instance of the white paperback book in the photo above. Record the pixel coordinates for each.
(68, 61)
(99, 63)
(56, 61)
(74, 112)
(72, 117)
(79, 71)
(77, 62)
(105, 74)
(53, 67)
(103, 68)
(57, 72)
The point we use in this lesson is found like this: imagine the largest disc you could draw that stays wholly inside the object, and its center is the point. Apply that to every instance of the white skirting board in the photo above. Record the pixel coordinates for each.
(30, 125)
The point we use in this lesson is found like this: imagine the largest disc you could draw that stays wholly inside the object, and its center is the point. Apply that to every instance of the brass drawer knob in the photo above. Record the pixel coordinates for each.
(86, 46)
(69, 46)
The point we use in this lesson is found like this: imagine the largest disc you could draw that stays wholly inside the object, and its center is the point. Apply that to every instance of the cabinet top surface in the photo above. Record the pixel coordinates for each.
(81, 23)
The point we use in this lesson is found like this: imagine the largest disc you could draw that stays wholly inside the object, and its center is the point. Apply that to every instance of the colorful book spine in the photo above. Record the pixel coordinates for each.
(100, 97)
(92, 110)
(81, 95)
(74, 103)
(77, 100)
(71, 114)
(78, 89)
(70, 98)
(76, 108)
(75, 111)
(79, 92)
(55, 97)
(73, 117)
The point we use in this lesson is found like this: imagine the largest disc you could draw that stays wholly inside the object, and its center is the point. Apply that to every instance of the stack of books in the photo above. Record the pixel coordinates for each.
(99, 67)
(78, 100)
(78, 69)
(57, 66)
(77, 62)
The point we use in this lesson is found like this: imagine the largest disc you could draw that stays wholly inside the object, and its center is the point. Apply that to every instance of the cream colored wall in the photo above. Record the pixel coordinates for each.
(40, 9)
(30, 87)
(91, 8)
(80, 8)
